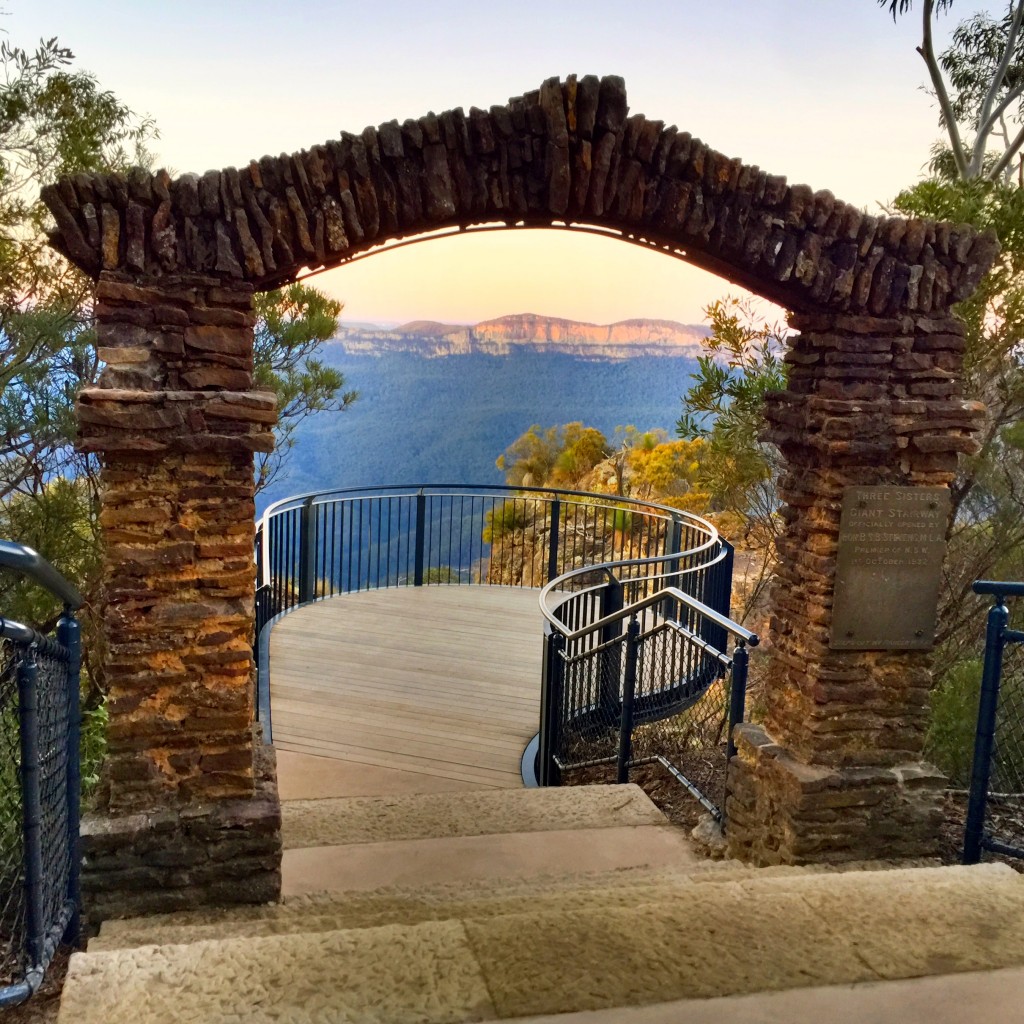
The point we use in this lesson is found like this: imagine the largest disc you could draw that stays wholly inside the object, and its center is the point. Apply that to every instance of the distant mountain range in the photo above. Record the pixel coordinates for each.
(526, 332)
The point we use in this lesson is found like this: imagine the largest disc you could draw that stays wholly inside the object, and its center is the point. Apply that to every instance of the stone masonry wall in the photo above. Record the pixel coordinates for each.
(568, 152)
(869, 402)
(836, 771)
(175, 423)
(178, 532)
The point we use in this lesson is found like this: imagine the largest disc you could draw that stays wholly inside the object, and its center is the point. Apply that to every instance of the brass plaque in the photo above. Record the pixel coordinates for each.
(891, 544)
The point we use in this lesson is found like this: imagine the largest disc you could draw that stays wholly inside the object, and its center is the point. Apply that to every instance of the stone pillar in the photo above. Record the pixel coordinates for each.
(189, 811)
(836, 772)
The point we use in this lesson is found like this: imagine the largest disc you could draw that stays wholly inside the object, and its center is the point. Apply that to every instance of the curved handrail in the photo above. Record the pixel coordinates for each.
(704, 611)
(651, 508)
(557, 585)
(23, 559)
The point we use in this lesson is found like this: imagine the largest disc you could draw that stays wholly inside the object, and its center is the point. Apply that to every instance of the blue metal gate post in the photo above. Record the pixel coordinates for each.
(69, 635)
(421, 529)
(628, 693)
(307, 551)
(28, 711)
(998, 618)
(551, 688)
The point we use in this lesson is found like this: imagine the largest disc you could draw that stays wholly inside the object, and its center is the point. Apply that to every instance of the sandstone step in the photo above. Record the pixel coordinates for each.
(342, 909)
(344, 820)
(759, 933)
(942, 999)
(335, 910)
(367, 866)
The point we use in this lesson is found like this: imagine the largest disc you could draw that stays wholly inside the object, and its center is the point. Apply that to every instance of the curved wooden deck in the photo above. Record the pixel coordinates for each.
(437, 687)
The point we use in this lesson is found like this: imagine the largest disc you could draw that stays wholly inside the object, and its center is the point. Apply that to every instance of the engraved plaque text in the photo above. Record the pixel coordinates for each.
(891, 546)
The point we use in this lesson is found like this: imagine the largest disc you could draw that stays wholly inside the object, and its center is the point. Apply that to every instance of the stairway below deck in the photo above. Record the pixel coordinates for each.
(488, 905)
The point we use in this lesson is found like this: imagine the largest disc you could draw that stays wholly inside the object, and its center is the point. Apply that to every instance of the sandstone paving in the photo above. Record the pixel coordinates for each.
(492, 959)
(390, 975)
(336, 821)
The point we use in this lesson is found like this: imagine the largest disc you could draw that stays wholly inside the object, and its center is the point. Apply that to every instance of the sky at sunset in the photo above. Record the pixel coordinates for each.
(826, 92)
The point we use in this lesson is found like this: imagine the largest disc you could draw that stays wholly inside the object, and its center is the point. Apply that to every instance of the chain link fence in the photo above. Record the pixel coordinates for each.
(36, 807)
(39, 784)
(12, 848)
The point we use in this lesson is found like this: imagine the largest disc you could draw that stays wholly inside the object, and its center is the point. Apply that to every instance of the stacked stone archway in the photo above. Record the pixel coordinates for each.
(874, 398)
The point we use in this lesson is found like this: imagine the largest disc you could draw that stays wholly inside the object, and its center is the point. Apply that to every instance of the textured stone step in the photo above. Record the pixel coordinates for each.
(757, 934)
(991, 996)
(331, 911)
(366, 866)
(336, 909)
(346, 820)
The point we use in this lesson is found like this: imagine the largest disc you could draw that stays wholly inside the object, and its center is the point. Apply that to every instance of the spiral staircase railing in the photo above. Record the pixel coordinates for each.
(635, 597)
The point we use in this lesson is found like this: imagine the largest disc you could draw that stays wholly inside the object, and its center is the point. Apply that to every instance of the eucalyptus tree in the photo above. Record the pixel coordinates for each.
(978, 83)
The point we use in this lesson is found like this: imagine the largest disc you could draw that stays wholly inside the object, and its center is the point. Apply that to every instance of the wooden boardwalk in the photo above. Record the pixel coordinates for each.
(437, 681)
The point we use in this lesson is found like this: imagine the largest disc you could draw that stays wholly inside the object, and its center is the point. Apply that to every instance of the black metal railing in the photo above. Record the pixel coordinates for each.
(39, 784)
(995, 808)
(637, 671)
(319, 545)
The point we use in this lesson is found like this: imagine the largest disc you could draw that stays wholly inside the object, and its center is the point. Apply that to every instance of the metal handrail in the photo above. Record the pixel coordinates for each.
(23, 559)
(996, 588)
(652, 508)
(706, 612)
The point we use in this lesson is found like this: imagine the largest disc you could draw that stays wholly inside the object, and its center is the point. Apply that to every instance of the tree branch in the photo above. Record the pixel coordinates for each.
(1004, 161)
(927, 51)
(985, 120)
(1004, 105)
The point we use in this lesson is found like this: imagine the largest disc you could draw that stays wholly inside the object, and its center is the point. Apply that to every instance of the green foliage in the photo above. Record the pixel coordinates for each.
(558, 456)
(441, 574)
(724, 408)
(59, 522)
(291, 325)
(503, 519)
(93, 746)
(954, 718)
(53, 122)
(978, 83)
(10, 793)
(988, 494)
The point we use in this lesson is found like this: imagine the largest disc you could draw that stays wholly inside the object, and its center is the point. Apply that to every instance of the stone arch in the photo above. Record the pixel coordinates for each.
(874, 397)
(568, 152)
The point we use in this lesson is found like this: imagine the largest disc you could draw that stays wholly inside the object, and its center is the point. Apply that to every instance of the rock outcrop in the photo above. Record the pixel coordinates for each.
(528, 332)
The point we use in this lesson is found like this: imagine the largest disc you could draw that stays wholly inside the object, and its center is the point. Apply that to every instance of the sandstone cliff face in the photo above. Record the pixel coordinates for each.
(529, 332)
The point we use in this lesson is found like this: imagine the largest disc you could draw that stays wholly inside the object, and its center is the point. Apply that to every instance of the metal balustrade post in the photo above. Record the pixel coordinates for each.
(551, 690)
(673, 542)
(737, 695)
(28, 714)
(611, 657)
(69, 636)
(553, 539)
(628, 693)
(421, 531)
(720, 598)
(307, 551)
(981, 768)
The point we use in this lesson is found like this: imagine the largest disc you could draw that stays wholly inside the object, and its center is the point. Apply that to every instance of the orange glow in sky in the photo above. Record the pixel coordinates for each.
(827, 93)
